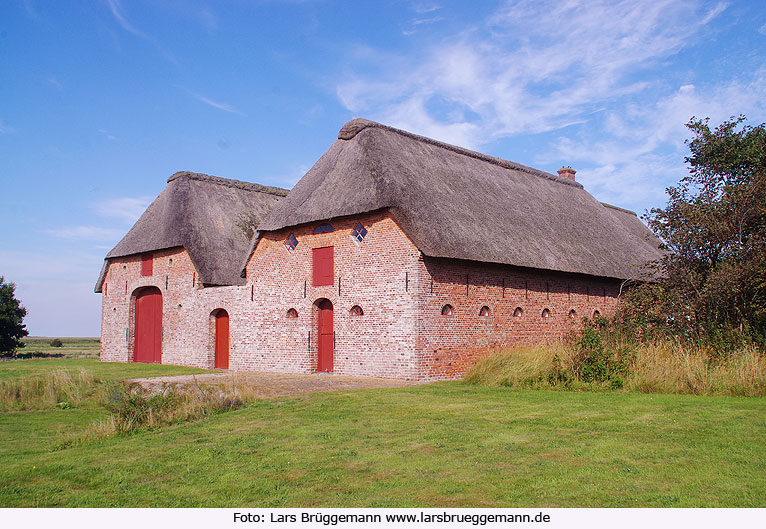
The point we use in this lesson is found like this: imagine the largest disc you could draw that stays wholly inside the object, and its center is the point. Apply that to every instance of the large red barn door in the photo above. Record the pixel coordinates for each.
(222, 339)
(325, 336)
(148, 326)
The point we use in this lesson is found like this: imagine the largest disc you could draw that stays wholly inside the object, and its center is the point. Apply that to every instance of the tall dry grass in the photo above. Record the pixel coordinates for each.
(59, 387)
(662, 367)
(132, 409)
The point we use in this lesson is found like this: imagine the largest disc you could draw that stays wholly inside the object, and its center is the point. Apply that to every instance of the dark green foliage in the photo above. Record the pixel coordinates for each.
(12, 328)
(596, 360)
(558, 375)
(57, 343)
(714, 225)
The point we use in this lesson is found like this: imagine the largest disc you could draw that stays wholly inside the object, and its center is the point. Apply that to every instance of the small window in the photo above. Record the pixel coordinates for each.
(484, 311)
(292, 313)
(356, 310)
(596, 314)
(358, 233)
(572, 314)
(323, 266)
(448, 310)
(545, 314)
(291, 242)
(518, 312)
(146, 265)
(324, 228)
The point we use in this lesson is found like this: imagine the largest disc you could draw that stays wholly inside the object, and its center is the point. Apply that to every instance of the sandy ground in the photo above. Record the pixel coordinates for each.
(270, 385)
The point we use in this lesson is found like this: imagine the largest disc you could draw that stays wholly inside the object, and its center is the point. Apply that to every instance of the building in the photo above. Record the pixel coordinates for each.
(394, 256)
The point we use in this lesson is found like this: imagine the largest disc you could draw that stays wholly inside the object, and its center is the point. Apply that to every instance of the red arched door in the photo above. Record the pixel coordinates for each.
(325, 336)
(148, 326)
(221, 339)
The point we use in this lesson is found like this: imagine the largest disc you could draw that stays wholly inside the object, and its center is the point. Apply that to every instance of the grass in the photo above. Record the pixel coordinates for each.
(654, 368)
(70, 346)
(447, 444)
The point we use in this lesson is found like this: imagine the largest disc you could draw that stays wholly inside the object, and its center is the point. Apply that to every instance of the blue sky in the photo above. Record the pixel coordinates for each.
(101, 101)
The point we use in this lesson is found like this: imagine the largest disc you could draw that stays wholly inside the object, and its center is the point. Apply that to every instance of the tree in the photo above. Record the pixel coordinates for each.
(714, 228)
(12, 328)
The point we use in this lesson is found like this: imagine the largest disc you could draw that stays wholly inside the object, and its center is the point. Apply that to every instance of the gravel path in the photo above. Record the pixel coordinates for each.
(270, 385)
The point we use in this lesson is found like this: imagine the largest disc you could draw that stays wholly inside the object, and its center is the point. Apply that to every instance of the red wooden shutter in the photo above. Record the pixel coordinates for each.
(323, 264)
(146, 265)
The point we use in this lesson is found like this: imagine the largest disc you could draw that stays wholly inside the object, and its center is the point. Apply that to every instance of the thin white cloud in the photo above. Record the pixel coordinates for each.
(762, 30)
(215, 104)
(95, 233)
(5, 128)
(106, 134)
(116, 9)
(425, 7)
(55, 82)
(126, 209)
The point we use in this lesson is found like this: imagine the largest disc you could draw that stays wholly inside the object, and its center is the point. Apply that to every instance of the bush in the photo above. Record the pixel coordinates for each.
(593, 361)
(57, 343)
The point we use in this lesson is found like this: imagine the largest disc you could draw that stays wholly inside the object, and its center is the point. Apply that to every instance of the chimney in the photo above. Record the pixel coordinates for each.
(567, 172)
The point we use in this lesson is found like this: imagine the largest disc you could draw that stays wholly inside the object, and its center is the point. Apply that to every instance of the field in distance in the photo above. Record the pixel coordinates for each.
(69, 346)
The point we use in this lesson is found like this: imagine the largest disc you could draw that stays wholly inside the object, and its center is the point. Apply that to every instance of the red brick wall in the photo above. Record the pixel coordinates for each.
(402, 333)
(447, 345)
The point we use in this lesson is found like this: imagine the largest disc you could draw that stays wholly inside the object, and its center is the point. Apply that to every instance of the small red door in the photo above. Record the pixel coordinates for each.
(148, 326)
(325, 335)
(222, 339)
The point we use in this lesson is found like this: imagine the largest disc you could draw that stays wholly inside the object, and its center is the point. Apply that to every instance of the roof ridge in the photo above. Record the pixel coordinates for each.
(618, 208)
(229, 182)
(357, 125)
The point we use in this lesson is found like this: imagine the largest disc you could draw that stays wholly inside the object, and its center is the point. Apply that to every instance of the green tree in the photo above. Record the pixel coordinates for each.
(714, 228)
(12, 328)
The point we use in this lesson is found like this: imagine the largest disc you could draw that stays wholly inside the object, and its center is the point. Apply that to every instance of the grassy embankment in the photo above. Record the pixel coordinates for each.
(648, 368)
(447, 444)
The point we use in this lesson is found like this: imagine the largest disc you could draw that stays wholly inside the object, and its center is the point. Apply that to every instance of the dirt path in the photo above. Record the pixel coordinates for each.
(270, 385)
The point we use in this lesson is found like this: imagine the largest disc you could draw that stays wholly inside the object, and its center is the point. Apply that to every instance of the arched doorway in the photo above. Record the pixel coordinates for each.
(147, 330)
(221, 339)
(325, 335)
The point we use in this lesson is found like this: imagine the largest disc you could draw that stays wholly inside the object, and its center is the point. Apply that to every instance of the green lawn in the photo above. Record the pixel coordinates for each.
(446, 444)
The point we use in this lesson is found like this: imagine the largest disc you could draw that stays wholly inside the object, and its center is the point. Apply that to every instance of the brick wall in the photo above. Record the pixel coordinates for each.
(448, 345)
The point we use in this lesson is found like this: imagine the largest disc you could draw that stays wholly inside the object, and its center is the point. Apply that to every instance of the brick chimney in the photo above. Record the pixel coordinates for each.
(567, 172)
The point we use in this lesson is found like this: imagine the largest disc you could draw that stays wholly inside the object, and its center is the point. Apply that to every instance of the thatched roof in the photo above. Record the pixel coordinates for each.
(202, 213)
(461, 204)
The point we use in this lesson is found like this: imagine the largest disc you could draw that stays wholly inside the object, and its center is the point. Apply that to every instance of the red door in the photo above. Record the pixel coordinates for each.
(326, 336)
(148, 326)
(222, 339)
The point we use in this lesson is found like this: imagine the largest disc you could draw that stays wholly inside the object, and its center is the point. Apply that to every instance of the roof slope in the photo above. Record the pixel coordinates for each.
(461, 204)
(200, 213)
